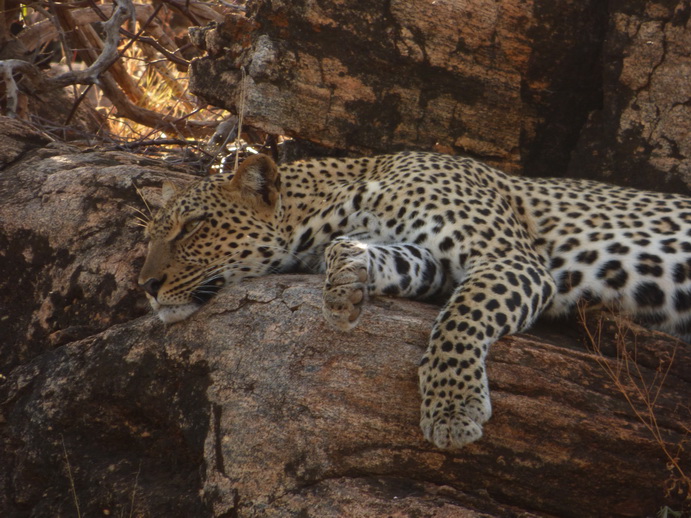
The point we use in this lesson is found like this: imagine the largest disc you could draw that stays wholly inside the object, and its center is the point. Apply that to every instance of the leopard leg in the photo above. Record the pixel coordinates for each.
(498, 297)
(355, 270)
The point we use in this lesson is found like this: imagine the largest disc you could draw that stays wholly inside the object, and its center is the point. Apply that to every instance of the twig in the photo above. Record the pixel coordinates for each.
(43, 32)
(69, 475)
(152, 119)
(142, 28)
(158, 142)
(165, 52)
(115, 83)
(51, 15)
(76, 104)
(134, 490)
(241, 111)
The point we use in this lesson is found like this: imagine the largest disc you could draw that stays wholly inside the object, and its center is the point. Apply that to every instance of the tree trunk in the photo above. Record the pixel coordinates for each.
(254, 407)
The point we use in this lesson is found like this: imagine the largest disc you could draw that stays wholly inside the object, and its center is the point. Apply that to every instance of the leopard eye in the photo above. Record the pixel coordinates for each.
(189, 228)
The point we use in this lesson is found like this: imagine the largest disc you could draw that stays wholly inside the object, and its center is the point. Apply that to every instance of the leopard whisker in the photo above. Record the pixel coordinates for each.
(149, 216)
(141, 215)
(141, 223)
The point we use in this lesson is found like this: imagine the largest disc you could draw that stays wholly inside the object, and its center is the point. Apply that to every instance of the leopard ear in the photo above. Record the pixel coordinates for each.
(168, 190)
(257, 177)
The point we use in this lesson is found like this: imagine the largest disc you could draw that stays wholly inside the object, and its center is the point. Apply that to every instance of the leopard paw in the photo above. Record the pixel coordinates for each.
(455, 393)
(345, 288)
(450, 425)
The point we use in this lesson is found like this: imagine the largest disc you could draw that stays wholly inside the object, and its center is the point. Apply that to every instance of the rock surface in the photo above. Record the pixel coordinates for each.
(254, 407)
(70, 245)
(641, 136)
(485, 78)
(542, 87)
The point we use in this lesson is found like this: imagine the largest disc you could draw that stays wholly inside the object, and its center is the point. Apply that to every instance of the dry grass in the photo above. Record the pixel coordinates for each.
(164, 88)
(640, 392)
(71, 478)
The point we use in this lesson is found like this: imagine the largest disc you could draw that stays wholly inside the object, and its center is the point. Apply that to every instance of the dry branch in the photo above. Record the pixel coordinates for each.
(38, 34)
(9, 67)
(105, 68)
(108, 56)
(152, 119)
(640, 392)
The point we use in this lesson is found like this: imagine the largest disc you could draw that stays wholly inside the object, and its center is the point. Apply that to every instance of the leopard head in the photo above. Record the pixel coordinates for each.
(215, 231)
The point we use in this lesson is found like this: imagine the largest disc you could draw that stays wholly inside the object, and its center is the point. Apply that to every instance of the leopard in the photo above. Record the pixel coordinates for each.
(499, 250)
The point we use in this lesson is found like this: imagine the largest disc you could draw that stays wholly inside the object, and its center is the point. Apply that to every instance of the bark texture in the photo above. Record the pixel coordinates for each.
(254, 407)
(511, 82)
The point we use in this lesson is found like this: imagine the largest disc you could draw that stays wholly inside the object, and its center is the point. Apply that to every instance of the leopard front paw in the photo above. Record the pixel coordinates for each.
(345, 288)
(450, 425)
(344, 294)
(455, 405)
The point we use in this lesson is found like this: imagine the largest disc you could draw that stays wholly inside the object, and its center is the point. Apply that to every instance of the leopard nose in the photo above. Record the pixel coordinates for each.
(152, 286)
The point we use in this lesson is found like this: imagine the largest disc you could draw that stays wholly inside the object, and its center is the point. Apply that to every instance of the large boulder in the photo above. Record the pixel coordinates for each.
(640, 136)
(254, 407)
(70, 240)
(546, 88)
(507, 81)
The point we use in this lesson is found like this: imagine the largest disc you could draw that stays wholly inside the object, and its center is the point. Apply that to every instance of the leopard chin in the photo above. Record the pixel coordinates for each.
(173, 314)
(170, 314)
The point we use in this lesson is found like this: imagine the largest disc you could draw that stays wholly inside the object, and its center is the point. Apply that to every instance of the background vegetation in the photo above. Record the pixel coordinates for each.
(73, 74)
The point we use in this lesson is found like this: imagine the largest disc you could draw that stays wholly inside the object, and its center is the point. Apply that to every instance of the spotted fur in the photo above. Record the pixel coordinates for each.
(502, 250)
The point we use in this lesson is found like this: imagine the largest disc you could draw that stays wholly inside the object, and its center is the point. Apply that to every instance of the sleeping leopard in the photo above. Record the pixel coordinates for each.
(501, 250)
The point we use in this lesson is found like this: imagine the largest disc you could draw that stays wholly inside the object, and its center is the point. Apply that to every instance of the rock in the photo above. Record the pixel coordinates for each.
(114, 416)
(268, 412)
(16, 138)
(70, 245)
(254, 407)
(305, 417)
(545, 88)
(641, 137)
(503, 80)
